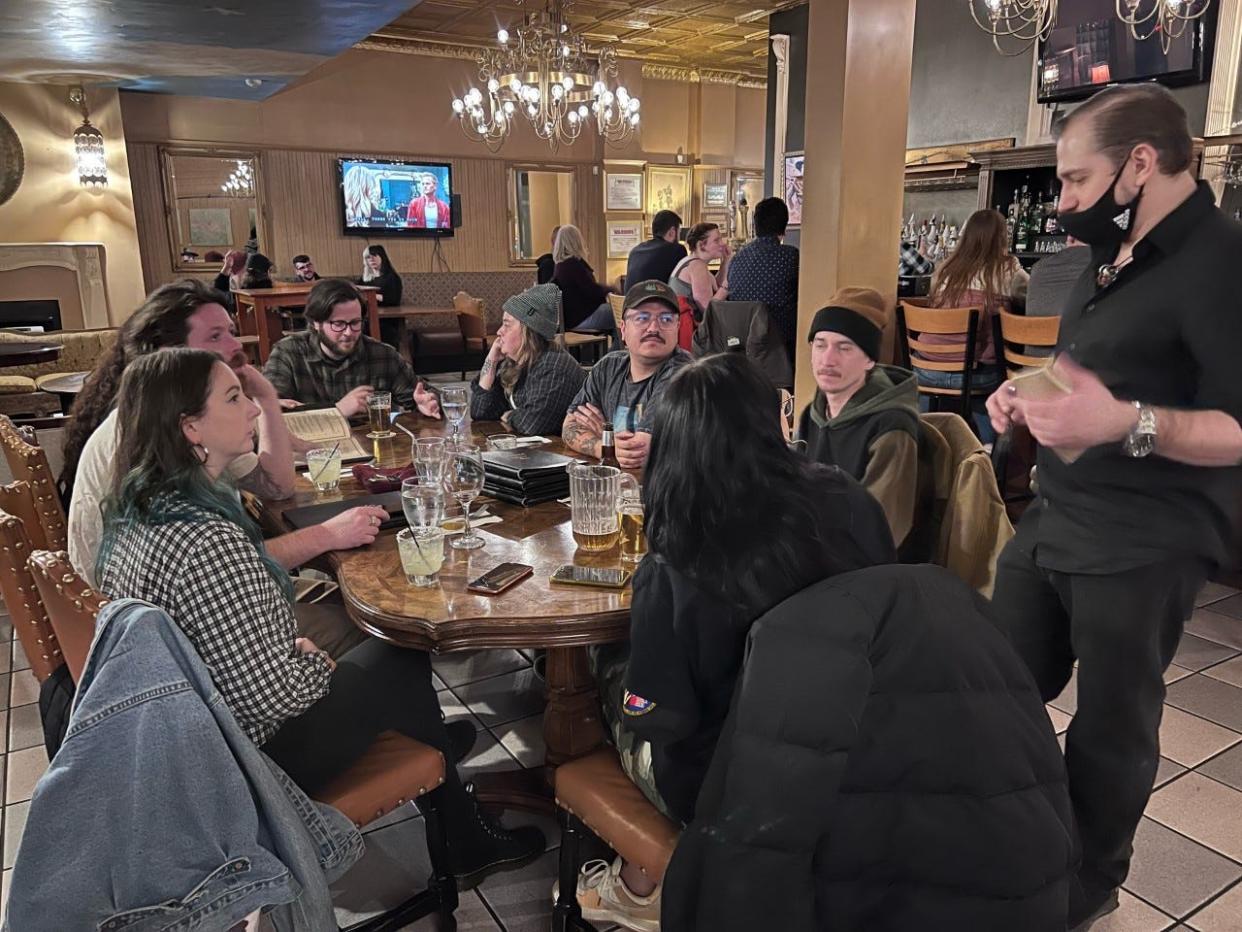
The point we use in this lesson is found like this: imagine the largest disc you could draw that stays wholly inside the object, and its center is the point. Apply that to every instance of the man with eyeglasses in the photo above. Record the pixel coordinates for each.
(624, 387)
(334, 362)
(304, 269)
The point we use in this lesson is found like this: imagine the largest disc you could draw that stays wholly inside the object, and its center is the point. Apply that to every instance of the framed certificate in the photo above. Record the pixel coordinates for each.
(715, 196)
(623, 191)
(668, 189)
(623, 235)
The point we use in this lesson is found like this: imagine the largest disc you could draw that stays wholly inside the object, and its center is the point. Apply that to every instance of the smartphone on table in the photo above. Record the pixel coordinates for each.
(599, 576)
(500, 578)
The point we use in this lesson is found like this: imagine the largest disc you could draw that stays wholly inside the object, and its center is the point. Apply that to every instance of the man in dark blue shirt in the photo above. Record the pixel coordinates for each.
(655, 259)
(766, 270)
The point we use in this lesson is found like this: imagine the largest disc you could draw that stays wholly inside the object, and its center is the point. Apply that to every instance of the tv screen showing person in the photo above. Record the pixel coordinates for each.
(399, 197)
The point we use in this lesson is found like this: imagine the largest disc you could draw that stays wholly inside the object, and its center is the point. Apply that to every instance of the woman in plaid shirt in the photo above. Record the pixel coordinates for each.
(175, 535)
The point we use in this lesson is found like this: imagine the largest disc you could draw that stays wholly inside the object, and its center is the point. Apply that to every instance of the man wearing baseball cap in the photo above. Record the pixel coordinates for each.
(864, 417)
(624, 386)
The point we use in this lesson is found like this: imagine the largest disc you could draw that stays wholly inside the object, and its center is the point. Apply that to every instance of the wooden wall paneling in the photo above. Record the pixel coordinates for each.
(589, 214)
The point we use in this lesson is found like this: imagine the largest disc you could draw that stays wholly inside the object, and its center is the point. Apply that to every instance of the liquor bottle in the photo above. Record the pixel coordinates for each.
(1011, 219)
(1034, 226)
(1051, 225)
(608, 448)
(1021, 240)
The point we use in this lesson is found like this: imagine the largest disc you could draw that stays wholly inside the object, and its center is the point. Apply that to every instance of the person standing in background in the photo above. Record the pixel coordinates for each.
(766, 270)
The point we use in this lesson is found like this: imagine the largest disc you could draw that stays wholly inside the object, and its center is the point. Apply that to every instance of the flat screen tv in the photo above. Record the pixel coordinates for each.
(385, 197)
(1090, 48)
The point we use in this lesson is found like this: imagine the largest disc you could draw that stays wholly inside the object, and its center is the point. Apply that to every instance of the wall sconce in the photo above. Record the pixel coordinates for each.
(680, 156)
(88, 145)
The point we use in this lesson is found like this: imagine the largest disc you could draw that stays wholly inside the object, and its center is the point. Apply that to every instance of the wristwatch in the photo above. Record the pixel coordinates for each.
(1141, 440)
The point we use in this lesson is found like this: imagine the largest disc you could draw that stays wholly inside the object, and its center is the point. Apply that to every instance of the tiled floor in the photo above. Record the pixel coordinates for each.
(1187, 870)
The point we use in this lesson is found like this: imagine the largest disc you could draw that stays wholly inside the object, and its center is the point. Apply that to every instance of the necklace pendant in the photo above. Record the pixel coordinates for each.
(1105, 275)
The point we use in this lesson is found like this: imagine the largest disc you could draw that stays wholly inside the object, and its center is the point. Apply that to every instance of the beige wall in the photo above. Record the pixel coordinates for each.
(394, 105)
(51, 206)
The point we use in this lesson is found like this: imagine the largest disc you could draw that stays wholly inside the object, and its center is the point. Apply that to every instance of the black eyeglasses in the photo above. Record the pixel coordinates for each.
(340, 326)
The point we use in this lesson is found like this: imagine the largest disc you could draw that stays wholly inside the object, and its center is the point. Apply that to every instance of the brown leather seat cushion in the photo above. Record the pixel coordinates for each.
(597, 791)
(394, 770)
(440, 343)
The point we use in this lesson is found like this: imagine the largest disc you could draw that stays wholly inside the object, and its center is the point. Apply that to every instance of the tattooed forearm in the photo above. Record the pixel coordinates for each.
(580, 438)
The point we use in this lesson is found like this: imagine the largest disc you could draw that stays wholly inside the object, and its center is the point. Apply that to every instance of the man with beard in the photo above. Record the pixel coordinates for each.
(333, 362)
(304, 269)
(191, 313)
(1139, 478)
(624, 387)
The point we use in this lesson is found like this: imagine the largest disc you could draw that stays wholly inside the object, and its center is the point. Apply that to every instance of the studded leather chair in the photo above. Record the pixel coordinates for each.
(28, 463)
(17, 585)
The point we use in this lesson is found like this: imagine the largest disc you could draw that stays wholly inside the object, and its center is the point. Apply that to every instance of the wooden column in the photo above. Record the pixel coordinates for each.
(858, 93)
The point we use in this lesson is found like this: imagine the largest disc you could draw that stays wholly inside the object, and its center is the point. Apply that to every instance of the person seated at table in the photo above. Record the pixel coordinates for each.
(584, 301)
(864, 417)
(377, 271)
(176, 536)
(304, 269)
(545, 265)
(736, 522)
(229, 278)
(258, 273)
(527, 380)
(189, 313)
(623, 389)
(692, 279)
(657, 257)
(333, 362)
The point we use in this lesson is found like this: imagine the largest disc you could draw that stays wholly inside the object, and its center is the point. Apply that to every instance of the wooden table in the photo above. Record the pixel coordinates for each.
(258, 310)
(534, 613)
(28, 354)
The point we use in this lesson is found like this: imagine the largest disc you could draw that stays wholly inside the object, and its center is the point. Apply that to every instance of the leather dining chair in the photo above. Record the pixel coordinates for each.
(28, 463)
(17, 585)
(394, 771)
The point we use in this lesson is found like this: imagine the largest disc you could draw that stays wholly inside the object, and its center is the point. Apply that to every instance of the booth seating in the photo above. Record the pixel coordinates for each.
(21, 386)
(394, 772)
(594, 794)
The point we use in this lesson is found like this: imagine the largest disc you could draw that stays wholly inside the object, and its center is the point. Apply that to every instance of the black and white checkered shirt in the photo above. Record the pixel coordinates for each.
(911, 262)
(208, 576)
(298, 369)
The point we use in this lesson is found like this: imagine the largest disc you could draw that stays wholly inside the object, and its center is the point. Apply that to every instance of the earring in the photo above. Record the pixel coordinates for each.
(201, 452)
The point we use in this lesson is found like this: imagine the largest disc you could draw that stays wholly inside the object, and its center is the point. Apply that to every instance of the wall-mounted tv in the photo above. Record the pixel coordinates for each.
(386, 197)
(1090, 48)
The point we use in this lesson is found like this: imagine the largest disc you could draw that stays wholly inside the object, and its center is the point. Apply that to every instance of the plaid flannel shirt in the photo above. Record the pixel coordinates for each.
(539, 399)
(913, 263)
(299, 370)
(208, 576)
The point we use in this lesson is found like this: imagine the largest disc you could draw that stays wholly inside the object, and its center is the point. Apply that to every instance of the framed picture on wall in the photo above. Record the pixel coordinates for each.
(211, 226)
(715, 196)
(793, 187)
(623, 191)
(623, 235)
(668, 188)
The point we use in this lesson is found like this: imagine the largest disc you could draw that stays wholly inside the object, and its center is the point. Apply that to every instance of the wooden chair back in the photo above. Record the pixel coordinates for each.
(1016, 332)
(959, 323)
(71, 606)
(617, 303)
(470, 320)
(17, 584)
(28, 463)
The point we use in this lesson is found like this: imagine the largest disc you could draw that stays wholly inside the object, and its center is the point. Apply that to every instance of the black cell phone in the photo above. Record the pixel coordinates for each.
(604, 577)
(500, 578)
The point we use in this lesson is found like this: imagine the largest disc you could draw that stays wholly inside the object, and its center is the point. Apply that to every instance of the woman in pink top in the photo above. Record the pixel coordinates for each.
(980, 273)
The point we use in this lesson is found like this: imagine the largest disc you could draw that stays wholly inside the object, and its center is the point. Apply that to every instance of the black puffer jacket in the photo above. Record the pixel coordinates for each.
(887, 766)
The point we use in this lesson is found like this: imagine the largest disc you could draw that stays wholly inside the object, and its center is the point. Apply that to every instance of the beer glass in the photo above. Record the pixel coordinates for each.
(422, 554)
(593, 495)
(379, 410)
(324, 466)
(630, 526)
(427, 454)
(423, 504)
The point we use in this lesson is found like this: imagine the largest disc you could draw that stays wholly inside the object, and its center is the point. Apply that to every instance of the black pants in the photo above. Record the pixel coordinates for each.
(376, 687)
(1123, 630)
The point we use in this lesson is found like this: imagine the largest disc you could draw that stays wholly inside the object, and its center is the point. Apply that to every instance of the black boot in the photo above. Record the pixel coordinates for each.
(461, 738)
(483, 845)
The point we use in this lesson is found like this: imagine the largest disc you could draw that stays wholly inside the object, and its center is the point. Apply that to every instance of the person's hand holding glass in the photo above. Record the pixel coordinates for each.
(463, 479)
(454, 403)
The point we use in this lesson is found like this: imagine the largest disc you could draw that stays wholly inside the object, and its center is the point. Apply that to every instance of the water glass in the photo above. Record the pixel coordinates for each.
(423, 504)
(454, 402)
(422, 554)
(428, 457)
(324, 465)
(379, 411)
(502, 442)
(463, 479)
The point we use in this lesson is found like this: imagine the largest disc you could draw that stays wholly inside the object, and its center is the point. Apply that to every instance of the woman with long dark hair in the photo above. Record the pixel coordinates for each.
(377, 271)
(736, 523)
(527, 380)
(981, 272)
(176, 535)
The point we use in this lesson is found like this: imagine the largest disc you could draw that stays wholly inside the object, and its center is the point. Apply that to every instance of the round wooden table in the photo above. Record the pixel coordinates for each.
(445, 617)
(28, 354)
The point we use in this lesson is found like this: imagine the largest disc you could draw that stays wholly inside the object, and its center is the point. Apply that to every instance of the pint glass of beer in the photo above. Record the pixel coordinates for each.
(379, 410)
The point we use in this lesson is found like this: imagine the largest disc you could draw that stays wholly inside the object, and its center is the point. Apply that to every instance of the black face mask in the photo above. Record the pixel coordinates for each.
(1104, 223)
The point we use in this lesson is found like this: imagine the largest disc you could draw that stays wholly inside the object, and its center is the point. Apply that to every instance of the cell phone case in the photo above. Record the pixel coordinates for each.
(471, 587)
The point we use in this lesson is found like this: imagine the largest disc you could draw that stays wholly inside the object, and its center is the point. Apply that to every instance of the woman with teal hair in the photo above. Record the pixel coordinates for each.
(176, 535)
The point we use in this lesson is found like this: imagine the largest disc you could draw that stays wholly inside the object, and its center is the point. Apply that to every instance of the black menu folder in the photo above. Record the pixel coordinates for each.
(310, 515)
(525, 465)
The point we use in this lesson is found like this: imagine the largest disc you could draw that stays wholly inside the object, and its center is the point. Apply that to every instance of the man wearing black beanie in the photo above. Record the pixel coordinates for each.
(864, 417)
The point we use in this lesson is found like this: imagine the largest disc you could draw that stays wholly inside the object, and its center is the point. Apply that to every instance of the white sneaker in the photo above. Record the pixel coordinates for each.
(604, 897)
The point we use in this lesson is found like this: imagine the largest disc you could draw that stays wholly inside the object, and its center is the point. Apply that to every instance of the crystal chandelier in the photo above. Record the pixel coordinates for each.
(1015, 25)
(241, 182)
(545, 73)
(88, 146)
(1167, 17)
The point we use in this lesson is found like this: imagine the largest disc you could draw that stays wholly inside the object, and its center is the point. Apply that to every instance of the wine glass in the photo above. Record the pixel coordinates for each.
(453, 402)
(463, 479)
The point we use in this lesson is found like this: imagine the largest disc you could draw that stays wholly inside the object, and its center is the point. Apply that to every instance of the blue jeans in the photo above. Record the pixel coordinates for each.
(987, 378)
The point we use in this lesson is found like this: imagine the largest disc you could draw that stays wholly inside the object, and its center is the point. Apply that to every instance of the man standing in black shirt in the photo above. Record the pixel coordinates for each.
(655, 259)
(1107, 562)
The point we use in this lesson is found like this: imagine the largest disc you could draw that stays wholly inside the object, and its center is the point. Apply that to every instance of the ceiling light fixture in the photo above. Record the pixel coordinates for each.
(241, 181)
(1015, 25)
(544, 70)
(1167, 17)
(88, 145)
